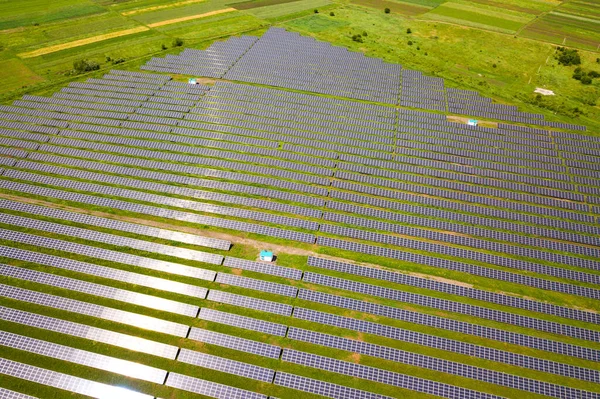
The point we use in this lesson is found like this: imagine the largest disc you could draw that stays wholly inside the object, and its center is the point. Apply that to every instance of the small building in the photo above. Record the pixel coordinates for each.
(472, 122)
(192, 81)
(266, 256)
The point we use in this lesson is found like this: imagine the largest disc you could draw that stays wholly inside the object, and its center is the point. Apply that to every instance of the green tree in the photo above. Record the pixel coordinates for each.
(387, 10)
(178, 42)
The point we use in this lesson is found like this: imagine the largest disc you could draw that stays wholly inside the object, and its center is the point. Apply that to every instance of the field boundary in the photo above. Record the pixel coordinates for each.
(191, 17)
(82, 42)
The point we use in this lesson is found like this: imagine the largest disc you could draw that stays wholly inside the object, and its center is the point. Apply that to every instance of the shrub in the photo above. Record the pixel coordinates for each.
(410, 43)
(586, 80)
(108, 59)
(409, 31)
(593, 74)
(163, 47)
(494, 65)
(316, 11)
(357, 38)
(82, 66)
(568, 56)
(598, 60)
(387, 10)
(365, 34)
(331, 14)
(178, 42)
(118, 61)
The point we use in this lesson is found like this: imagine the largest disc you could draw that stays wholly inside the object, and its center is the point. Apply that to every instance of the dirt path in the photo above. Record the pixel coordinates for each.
(155, 8)
(82, 42)
(191, 17)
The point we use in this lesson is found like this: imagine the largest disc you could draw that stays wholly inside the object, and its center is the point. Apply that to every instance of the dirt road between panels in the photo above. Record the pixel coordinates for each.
(191, 17)
(82, 42)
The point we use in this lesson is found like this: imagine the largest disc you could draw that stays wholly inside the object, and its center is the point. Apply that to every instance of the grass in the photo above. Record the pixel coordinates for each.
(478, 15)
(41, 12)
(280, 10)
(18, 76)
(407, 9)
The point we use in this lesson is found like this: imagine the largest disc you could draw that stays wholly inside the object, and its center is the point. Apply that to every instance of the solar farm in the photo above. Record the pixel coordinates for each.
(416, 257)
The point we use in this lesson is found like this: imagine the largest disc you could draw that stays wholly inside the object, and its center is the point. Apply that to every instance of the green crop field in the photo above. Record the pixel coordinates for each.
(413, 254)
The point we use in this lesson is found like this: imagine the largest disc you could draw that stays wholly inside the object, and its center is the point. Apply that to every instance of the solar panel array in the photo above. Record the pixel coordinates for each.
(212, 62)
(66, 382)
(116, 168)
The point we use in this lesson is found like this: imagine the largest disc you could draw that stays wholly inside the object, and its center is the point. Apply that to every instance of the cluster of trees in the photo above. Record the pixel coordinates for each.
(567, 56)
(359, 38)
(585, 77)
(82, 66)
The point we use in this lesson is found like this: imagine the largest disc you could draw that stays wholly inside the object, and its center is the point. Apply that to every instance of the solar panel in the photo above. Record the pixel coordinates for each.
(8, 394)
(102, 362)
(83, 331)
(110, 239)
(433, 363)
(116, 225)
(209, 388)
(250, 302)
(93, 310)
(226, 365)
(255, 284)
(104, 291)
(322, 388)
(379, 375)
(66, 382)
(236, 343)
(262, 267)
(105, 272)
(244, 322)
(106, 254)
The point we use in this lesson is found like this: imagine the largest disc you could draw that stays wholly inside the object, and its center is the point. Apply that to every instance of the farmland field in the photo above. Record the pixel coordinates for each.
(415, 257)
(480, 15)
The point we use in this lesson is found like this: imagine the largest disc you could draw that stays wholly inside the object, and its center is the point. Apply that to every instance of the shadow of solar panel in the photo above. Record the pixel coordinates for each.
(88, 332)
(89, 309)
(208, 388)
(102, 362)
(226, 365)
(244, 322)
(66, 382)
(236, 343)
